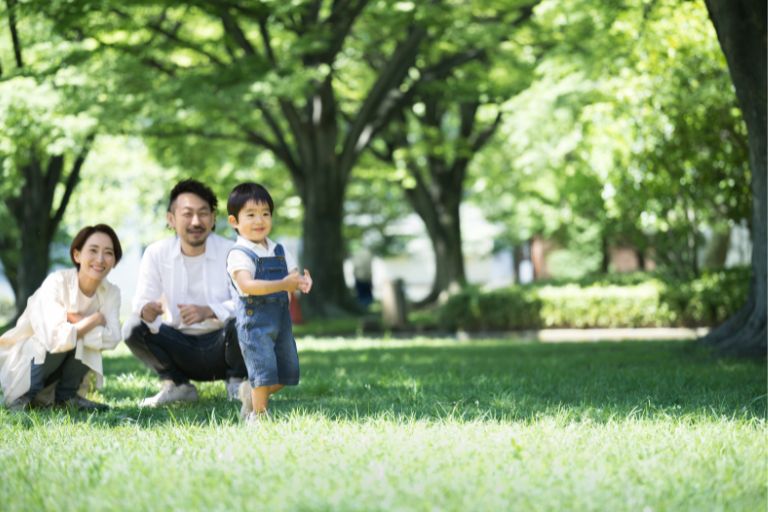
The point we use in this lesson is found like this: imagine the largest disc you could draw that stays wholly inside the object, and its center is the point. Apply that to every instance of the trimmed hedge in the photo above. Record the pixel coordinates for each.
(651, 302)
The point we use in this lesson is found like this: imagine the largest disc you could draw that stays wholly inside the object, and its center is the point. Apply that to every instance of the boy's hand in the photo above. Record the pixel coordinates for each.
(151, 310)
(292, 281)
(306, 282)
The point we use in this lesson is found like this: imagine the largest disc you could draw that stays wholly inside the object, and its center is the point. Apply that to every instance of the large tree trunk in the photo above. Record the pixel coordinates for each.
(741, 30)
(322, 182)
(37, 219)
(31, 211)
(443, 223)
(323, 250)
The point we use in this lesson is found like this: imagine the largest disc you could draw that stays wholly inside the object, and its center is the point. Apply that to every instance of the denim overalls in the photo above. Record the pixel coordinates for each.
(264, 326)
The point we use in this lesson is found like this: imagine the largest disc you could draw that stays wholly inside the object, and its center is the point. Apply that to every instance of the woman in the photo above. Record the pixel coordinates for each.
(69, 320)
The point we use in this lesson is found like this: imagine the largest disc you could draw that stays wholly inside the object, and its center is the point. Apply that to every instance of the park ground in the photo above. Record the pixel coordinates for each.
(416, 424)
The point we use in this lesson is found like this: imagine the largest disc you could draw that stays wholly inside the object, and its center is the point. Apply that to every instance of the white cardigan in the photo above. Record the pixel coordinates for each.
(43, 328)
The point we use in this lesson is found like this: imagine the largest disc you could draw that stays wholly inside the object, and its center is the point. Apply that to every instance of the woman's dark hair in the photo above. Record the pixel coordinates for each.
(84, 234)
(193, 187)
(248, 191)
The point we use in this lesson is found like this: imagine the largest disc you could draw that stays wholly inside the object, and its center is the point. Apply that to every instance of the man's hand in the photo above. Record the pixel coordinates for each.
(150, 311)
(192, 314)
(306, 282)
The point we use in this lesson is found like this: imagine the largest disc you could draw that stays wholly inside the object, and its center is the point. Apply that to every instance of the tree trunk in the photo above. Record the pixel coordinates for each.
(741, 30)
(443, 223)
(605, 262)
(323, 251)
(322, 183)
(31, 211)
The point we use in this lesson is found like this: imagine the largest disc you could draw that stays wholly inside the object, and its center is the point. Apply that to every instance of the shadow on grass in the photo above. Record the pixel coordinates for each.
(484, 380)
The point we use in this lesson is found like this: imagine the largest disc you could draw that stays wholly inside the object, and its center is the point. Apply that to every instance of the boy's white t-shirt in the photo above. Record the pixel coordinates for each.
(238, 260)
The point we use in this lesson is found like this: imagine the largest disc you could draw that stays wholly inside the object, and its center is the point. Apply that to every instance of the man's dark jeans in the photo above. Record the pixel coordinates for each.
(181, 357)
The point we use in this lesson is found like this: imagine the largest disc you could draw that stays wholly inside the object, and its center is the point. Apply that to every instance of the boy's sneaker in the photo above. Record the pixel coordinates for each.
(171, 392)
(256, 418)
(244, 394)
(233, 388)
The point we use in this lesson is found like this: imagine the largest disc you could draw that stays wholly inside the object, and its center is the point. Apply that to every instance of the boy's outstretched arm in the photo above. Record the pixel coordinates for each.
(247, 284)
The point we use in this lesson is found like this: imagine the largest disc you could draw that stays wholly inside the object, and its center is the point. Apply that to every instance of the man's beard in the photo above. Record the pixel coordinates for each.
(196, 242)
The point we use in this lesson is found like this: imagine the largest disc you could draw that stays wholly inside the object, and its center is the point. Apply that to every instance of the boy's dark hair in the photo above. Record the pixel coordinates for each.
(248, 191)
(193, 187)
(84, 234)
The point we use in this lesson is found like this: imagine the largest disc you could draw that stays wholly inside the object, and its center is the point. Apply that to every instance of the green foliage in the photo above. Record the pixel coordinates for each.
(416, 424)
(474, 310)
(630, 135)
(635, 301)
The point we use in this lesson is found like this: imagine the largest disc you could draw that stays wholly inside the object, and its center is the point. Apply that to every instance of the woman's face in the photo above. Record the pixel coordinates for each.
(97, 257)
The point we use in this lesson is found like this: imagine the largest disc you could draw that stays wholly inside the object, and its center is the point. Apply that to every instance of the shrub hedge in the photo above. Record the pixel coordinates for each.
(626, 301)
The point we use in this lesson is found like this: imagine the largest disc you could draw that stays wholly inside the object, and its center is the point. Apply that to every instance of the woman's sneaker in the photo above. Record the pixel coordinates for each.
(82, 404)
(23, 403)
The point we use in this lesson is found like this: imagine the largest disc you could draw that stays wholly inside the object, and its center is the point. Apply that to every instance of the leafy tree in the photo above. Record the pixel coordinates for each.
(293, 79)
(646, 149)
(47, 131)
(432, 144)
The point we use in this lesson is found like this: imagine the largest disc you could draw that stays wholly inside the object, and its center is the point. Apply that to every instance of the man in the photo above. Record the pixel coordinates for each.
(182, 325)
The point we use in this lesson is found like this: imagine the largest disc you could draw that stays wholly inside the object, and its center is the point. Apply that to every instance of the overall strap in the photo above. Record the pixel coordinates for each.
(248, 252)
(279, 250)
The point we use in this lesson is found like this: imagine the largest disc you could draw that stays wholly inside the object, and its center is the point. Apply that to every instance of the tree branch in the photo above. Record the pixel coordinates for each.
(285, 151)
(362, 129)
(72, 179)
(266, 39)
(172, 36)
(11, 4)
(236, 33)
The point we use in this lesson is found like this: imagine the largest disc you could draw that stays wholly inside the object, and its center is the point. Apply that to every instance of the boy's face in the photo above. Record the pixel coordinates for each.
(253, 222)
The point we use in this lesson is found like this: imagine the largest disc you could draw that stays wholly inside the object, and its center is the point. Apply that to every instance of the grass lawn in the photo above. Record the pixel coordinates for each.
(416, 425)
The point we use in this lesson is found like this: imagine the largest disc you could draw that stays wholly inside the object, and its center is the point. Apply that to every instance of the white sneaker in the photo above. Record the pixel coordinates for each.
(255, 418)
(233, 388)
(244, 394)
(171, 392)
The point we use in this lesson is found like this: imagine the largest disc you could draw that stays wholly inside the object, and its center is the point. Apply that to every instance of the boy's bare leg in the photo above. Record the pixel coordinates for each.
(260, 397)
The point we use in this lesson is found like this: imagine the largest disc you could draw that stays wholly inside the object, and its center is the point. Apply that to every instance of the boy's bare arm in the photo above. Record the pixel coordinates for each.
(247, 284)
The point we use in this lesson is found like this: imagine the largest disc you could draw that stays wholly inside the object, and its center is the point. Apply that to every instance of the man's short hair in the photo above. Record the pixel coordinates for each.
(248, 191)
(193, 187)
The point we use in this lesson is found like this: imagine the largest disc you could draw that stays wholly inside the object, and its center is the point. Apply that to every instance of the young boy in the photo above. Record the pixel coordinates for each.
(263, 274)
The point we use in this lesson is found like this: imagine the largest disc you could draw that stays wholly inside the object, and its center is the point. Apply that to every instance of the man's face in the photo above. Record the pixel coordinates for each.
(192, 218)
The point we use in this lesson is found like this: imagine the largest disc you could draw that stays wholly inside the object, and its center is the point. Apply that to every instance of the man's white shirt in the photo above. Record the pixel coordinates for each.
(163, 277)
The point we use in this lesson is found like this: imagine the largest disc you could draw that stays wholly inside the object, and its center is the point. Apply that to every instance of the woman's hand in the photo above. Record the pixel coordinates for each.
(73, 317)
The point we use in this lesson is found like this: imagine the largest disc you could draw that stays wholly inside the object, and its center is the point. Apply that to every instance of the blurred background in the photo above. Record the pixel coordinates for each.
(482, 165)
